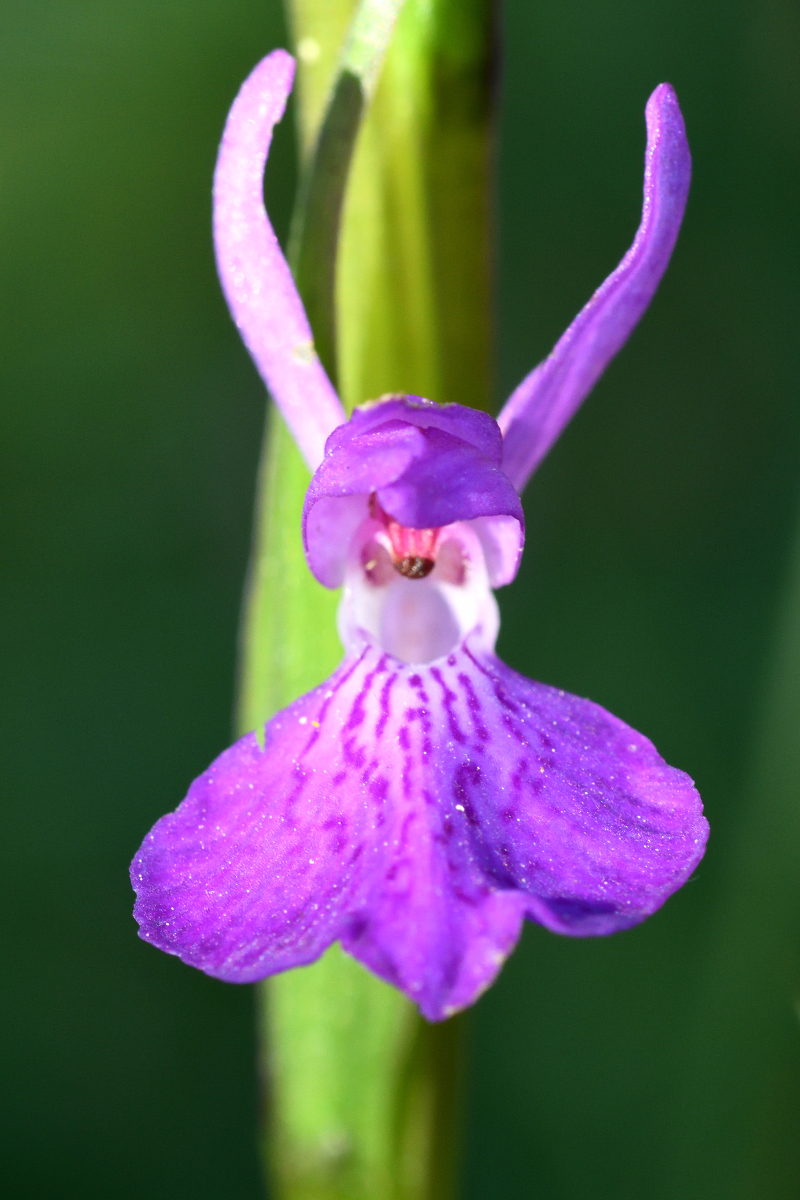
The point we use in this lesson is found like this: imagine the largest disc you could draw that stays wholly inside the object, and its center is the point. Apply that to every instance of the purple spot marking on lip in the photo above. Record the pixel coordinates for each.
(416, 681)
(499, 690)
(368, 776)
(502, 698)
(520, 774)
(448, 699)
(460, 894)
(418, 714)
(379, 789)
(385, 710)
(406, 773)
(301, 779)
(332, 822)
(474, 706)
(514, 729)
(354, 754)
(404, 833)
(467, 775)
(358, 711)
(484, 670)
(323, 709)
(358, 926)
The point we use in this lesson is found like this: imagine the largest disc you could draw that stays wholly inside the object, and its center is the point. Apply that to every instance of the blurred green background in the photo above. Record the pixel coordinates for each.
(659, 579)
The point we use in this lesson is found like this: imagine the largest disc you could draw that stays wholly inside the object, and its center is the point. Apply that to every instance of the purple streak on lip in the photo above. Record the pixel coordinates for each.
(255, 277)
(547, 399)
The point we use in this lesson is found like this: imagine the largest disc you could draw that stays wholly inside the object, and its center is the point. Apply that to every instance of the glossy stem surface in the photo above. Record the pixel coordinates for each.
(314, 239)
(362, 1097)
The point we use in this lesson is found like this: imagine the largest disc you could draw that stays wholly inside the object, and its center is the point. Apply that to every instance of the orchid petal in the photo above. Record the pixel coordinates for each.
(428, 465)
(578, 810)
(417, 814)
(547, 399)
(254, 871)
(255, 277)
(469, 424)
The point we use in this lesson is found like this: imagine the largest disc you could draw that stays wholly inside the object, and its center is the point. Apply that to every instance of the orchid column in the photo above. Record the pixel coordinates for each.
(363, 1094)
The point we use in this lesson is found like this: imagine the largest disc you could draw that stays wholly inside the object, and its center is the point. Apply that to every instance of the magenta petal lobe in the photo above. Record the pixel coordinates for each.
(547, 399)
(255, 277)
(417, 813)
(256, 870)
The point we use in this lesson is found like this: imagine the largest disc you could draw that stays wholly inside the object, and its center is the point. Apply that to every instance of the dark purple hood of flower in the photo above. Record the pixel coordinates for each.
(426, 799)
(428, 465)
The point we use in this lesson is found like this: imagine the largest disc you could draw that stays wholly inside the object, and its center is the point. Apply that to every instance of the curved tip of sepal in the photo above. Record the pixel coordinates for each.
(662, 108)
(273, 78)
(547, 399)
(669, 160)
(260, 104)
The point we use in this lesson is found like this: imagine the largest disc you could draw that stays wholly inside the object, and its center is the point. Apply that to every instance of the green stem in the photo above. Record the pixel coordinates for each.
(314, 239)
(414, 280)
(362, 1094)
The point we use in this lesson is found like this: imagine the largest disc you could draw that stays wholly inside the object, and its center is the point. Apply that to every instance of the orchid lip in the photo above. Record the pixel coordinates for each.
(417, 814)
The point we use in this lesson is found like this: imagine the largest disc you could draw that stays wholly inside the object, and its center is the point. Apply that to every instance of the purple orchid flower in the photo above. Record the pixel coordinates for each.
(426, 798)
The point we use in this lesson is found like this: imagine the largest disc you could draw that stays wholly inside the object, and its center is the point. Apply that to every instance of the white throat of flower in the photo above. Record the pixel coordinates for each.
(416, 593)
